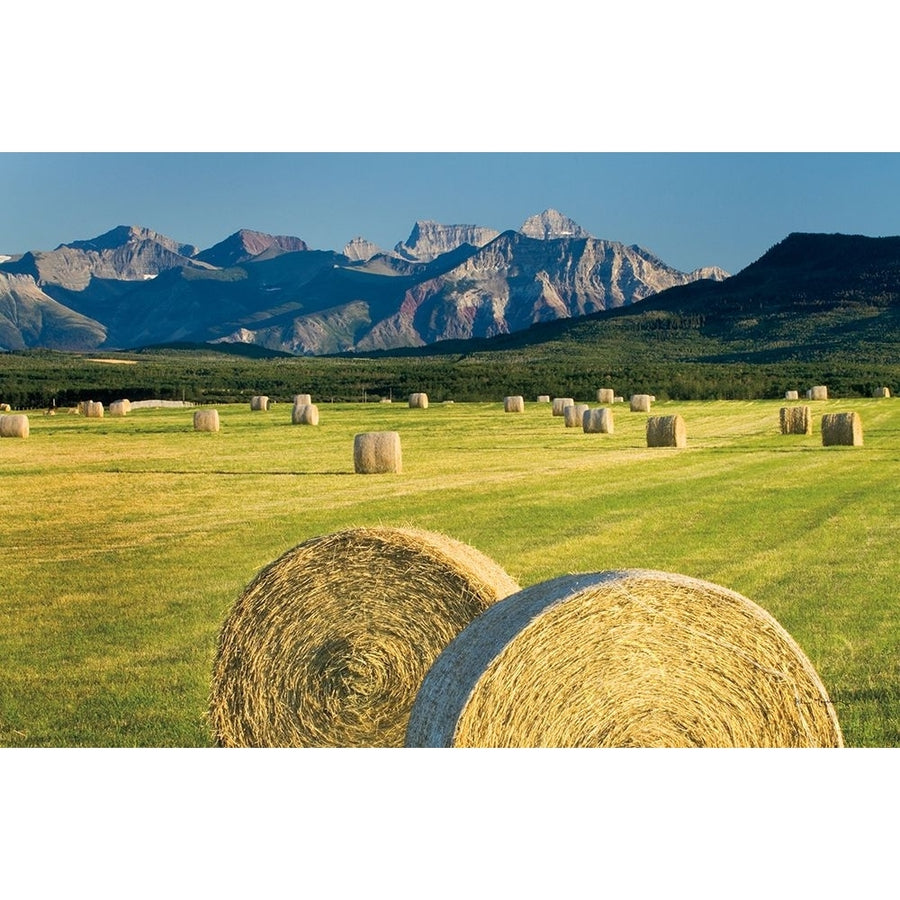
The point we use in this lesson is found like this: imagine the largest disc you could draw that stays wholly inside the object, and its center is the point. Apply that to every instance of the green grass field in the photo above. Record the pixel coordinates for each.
(126, 540)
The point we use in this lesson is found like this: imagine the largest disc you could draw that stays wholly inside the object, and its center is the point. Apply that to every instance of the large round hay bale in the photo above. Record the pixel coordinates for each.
(514, 404)
(640, 402)
(598, 421)
(329, 643)
(630, 658)
(666, 431)
(791, 395)
(305, 414)
(376, 452)
(302, 399)
(93, 409)
(119, 408)
(881, 392)
(605, 395)
(573, 415)
(795, 420)
(543, 398)
(259, 403)
(559, 404)
(206, 420)
(14, 426)
(5, 407)
(842, 429)
(418, 400)
(818, 392)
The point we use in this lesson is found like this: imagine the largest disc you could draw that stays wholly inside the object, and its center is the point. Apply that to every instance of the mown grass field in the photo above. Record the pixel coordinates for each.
(126, 540)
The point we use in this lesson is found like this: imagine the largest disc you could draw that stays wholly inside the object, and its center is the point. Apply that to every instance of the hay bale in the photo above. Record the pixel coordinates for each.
(302, 399)
(573, 415)
(842, 429)
(259, 403)
(640, 402)
(791, 395)
(513, 404)
(819, 392)
(14, 426)
(305, 414)
(630, 658)
(418, 401)
(605, 395)
(206, 420)
(119, 408)
(795, 420)
(328, 645)
(543, 398)
(93, 410)
(5, 407)
(666, 431)
(598, 421)
(881, 392)
(376, 452)
(618, 399)
(559, 404)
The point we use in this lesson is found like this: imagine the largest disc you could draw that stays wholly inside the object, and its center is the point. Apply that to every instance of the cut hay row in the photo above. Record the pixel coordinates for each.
(329, 643)
(377, 452)
(598, 421)
(559, 404)
(842, 429)
(305, 414)
(666, 431)
(573, 415)
(418, 400)
(630, 658)
(795, 420)
(206, 420)
(14, 426)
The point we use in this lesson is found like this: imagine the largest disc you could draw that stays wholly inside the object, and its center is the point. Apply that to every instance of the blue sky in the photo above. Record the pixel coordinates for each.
(691, 209)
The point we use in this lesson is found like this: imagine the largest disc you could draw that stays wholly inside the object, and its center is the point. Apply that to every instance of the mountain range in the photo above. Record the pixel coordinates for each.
(133, 287)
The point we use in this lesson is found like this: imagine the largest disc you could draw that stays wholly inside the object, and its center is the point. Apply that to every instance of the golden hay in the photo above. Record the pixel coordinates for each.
(513, 404)
(259, 403)
(302, 399)
(376, 452)
(573, 415)
(791, 395)
(418, 401)
(842, 429)
(606, 395)
(819, 392)
(206, 420)
(5, 407)
(881, 392)
(329, 643)
(640, 402)
(119, 408)
(598, 421)
(93, 409)
(630, 658)
(666, 431)
(543, 398)
(559, 404)
(795, 420)
(15, 426)
(305, 414)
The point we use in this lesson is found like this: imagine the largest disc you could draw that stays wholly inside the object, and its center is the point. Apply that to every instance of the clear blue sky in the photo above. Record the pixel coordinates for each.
(691, 209)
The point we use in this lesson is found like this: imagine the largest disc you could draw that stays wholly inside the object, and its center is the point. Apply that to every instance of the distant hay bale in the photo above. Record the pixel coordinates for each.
(14, 426)
(328, 645)
(514, 404)
(881, 392)
(791, 395)
(559, 404)
(119, 408)
(543, 398)
(640, 402)
(842, 429)
(93, 409)
(795, 420)
(630, 658)
(386, 400)
(618, 399)
(819, 392)
(418, 401)
(302, 399)
(259, 403)
(5, 407)
(598, 421)
(666, 431)
(573, 415)
(206, 420)
(305, 414)
(605, 395)
(376, 452)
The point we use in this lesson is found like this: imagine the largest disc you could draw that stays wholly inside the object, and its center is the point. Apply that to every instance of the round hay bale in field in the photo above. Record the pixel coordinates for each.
(640, 403)
(618, 399)
(881, 392)
(14, 426)
(791, 395)
(666, 431)
(5, 407)
(259, 403)
(513, 404)
(819, 392)
(605, 395)
(630, 658)
(119, 408)
(206, 420)
(418, 401)
(598, 421)
(559, 404)
(795, 420)
(93, 409)
(305, 414)
(376, 452)
(329, 643)
(302, 399)
(842, 429)
(543, 398)
(573, 415)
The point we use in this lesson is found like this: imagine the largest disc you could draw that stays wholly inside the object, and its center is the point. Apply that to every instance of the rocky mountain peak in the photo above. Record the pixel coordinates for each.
(359, 249)
(123, 235)
(552, 224)
(429, 239)
(246, 244)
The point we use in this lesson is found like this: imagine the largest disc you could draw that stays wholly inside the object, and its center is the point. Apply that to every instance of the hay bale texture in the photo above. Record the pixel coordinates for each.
(418, 401)
(514, 404)
(377, 452)
(329, 643)
(606, 395)
(791, 395)
(630, 658)
(666, 431)
(206, 420)
(818, 392)
(573, 415)
(259, 403)
(543, 398)
(305, 414)
(91, 409)
(844, 429)
(598, 421)
(119, 408)
(15, 426)
(640, 402)
(559, 404)
(795, 420)
(302, 399)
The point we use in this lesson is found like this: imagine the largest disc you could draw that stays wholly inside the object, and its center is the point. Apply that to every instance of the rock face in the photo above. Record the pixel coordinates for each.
(244, 245)
(428, 240)
(552, 224)
(361, 250)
